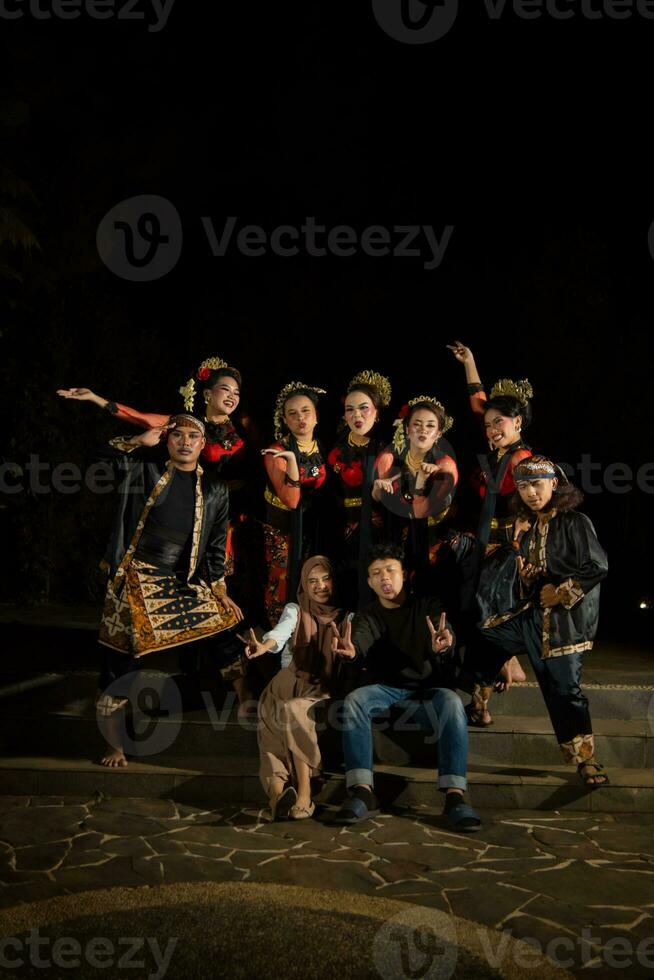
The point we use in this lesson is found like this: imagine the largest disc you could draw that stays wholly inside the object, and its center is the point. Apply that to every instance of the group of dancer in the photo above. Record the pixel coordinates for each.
(376, 590)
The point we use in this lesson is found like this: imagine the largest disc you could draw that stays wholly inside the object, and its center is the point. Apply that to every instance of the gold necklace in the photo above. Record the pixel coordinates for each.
(308, 448)
(351, 440)
(413, 462)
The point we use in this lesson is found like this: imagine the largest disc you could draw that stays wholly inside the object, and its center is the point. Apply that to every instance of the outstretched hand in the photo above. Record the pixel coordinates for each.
(80, 394)
(386, 485)
(277, 453)
(342, 646)
(441, 638)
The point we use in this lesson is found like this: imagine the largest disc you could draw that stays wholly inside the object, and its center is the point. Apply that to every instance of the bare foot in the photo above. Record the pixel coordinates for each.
(510, 672)
(517, 673)
(114, 759)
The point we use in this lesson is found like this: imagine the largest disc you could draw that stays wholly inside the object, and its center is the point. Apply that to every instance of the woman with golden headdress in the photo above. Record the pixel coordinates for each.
(351, 465)
(295, 469)
(288, 741)
(416, 479)
(505, 415)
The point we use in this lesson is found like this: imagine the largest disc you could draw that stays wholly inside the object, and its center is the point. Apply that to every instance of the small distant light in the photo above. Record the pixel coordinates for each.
(646, 603)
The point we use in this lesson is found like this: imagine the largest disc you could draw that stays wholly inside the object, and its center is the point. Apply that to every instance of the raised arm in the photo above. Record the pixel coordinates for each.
(476, 391)
(147, 420)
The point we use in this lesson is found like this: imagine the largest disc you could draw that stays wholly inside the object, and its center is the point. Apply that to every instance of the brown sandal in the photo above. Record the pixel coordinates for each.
(589, 777)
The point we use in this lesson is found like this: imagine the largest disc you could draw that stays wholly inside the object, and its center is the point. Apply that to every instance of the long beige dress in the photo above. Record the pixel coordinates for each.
(287, 727)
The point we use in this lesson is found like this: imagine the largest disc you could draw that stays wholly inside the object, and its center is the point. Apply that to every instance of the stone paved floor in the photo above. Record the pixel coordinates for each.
(582, 881)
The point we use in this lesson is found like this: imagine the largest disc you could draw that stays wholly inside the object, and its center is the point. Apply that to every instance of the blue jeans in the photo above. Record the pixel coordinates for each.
(441, 714)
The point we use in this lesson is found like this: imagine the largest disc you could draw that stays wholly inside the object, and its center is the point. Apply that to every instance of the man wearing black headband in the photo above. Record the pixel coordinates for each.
(166, 562)
(542, 597)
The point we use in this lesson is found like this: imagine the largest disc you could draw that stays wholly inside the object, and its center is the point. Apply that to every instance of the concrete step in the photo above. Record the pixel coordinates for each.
(511, 739)
(215, 782)
(54, 690)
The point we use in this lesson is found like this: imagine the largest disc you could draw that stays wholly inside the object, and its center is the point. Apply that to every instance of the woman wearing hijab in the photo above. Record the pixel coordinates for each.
(288, 741)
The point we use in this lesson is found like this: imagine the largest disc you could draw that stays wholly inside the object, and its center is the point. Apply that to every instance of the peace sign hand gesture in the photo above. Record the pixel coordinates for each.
(441, 638)
(343, 646)
(460, 351)
(253, 648)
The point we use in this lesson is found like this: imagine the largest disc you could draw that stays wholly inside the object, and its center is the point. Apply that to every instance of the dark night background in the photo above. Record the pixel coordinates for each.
(523, 135)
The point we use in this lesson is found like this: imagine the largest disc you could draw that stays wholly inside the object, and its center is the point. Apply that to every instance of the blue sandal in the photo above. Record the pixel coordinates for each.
(355, 809)
(463, 818)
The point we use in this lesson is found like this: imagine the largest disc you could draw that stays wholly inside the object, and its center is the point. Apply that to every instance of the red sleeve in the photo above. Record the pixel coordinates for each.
(276, 470)
(147, 420)
(478, 402)
(213, 451)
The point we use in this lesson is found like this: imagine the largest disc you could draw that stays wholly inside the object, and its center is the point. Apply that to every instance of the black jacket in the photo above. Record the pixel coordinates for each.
(139, 471)
(568, 556)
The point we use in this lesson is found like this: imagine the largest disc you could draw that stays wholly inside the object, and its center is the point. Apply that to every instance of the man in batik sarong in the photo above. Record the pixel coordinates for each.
(166, 565)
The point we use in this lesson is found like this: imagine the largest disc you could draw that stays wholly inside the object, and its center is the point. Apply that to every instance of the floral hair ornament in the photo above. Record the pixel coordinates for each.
(520, 390)
(283, 396)
(535, 468)
(399, 438)
(375, 380)
(188, 390)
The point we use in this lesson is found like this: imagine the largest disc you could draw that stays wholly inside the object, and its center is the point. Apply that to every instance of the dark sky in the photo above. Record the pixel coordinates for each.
(521, 135)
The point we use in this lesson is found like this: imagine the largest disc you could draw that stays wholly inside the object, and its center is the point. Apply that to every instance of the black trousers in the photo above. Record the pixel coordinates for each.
(559, 679)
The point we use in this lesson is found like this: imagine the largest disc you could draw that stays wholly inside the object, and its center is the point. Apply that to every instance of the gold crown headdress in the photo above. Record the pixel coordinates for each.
(521, 390)
(283, 396)
(375, 380)
(399, 438)
(187, 391)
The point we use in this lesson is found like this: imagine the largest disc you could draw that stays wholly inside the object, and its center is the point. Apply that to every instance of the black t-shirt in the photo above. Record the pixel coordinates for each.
(395, 645)
(173, 513)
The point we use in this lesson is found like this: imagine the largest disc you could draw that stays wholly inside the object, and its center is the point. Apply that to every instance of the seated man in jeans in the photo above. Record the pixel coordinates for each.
(409, 660)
